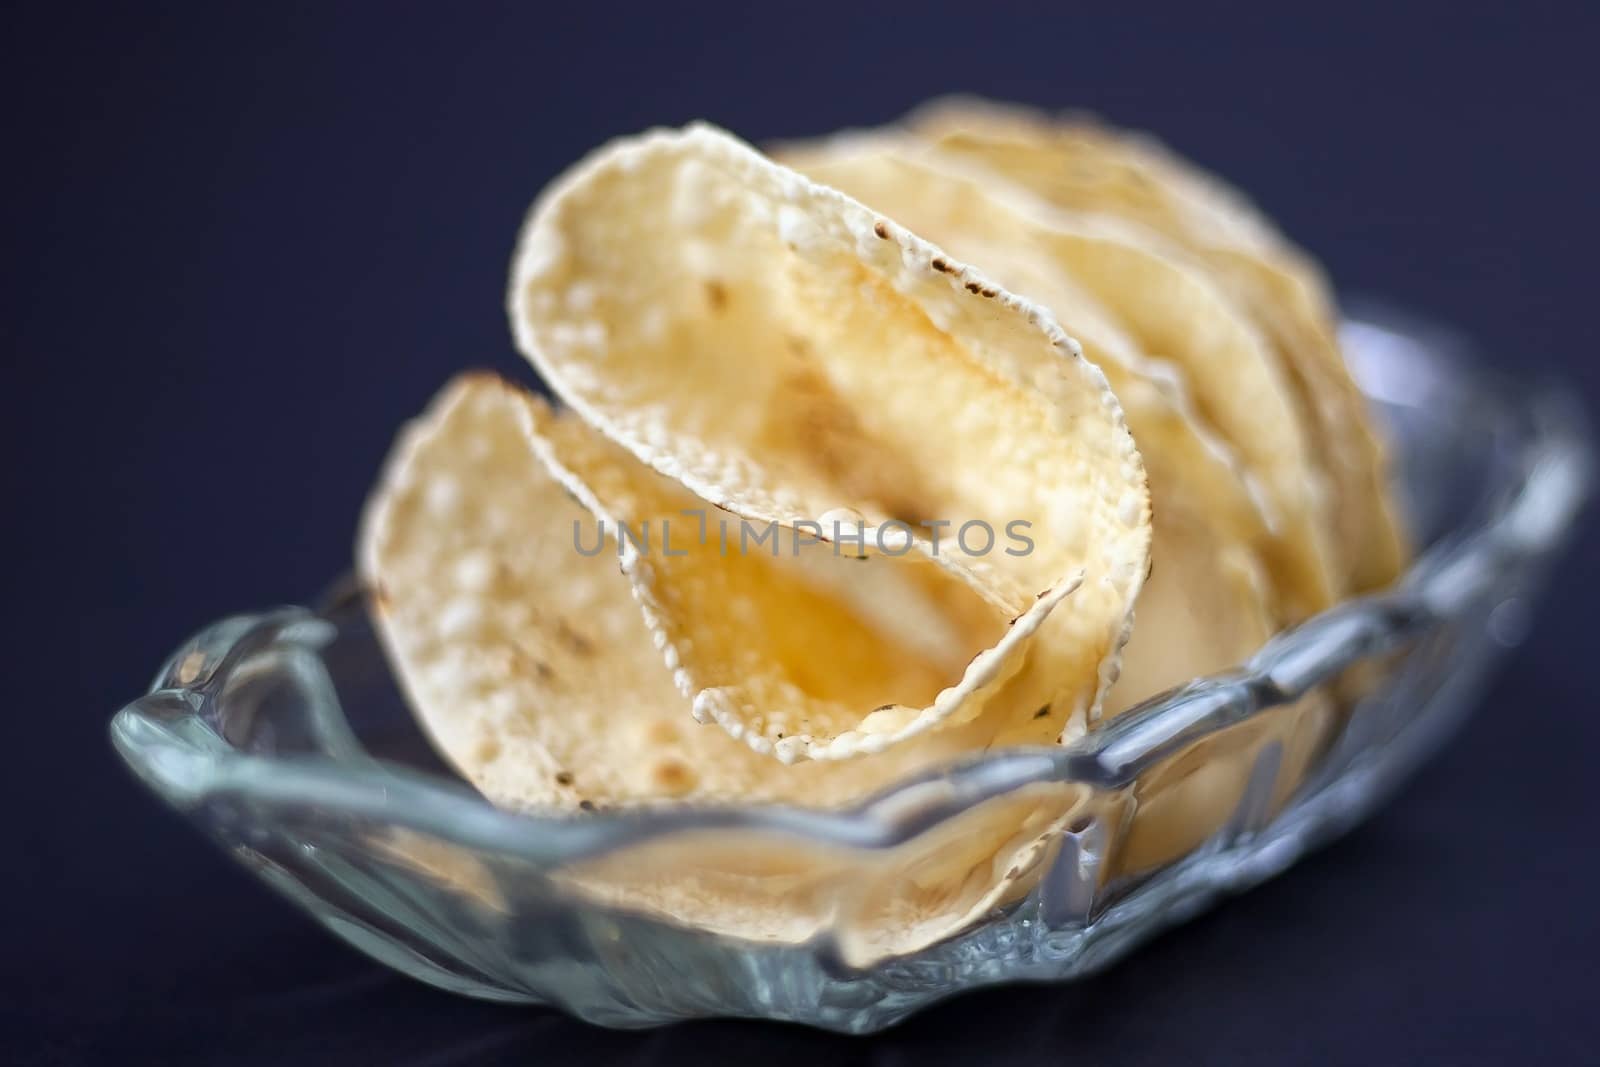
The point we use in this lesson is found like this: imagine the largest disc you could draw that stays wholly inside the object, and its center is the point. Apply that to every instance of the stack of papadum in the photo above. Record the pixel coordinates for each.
(870, 455)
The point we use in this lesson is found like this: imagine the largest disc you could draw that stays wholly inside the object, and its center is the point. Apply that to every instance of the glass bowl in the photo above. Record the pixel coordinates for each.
(284, 737)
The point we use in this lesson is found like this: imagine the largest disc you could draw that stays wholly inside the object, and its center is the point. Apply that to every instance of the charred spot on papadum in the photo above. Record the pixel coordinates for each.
(574, 640)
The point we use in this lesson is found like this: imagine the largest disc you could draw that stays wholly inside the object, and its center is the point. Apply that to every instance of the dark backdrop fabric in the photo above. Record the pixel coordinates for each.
(242, 245)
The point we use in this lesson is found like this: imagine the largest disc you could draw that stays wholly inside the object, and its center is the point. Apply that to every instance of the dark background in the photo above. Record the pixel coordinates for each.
(241, 248)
